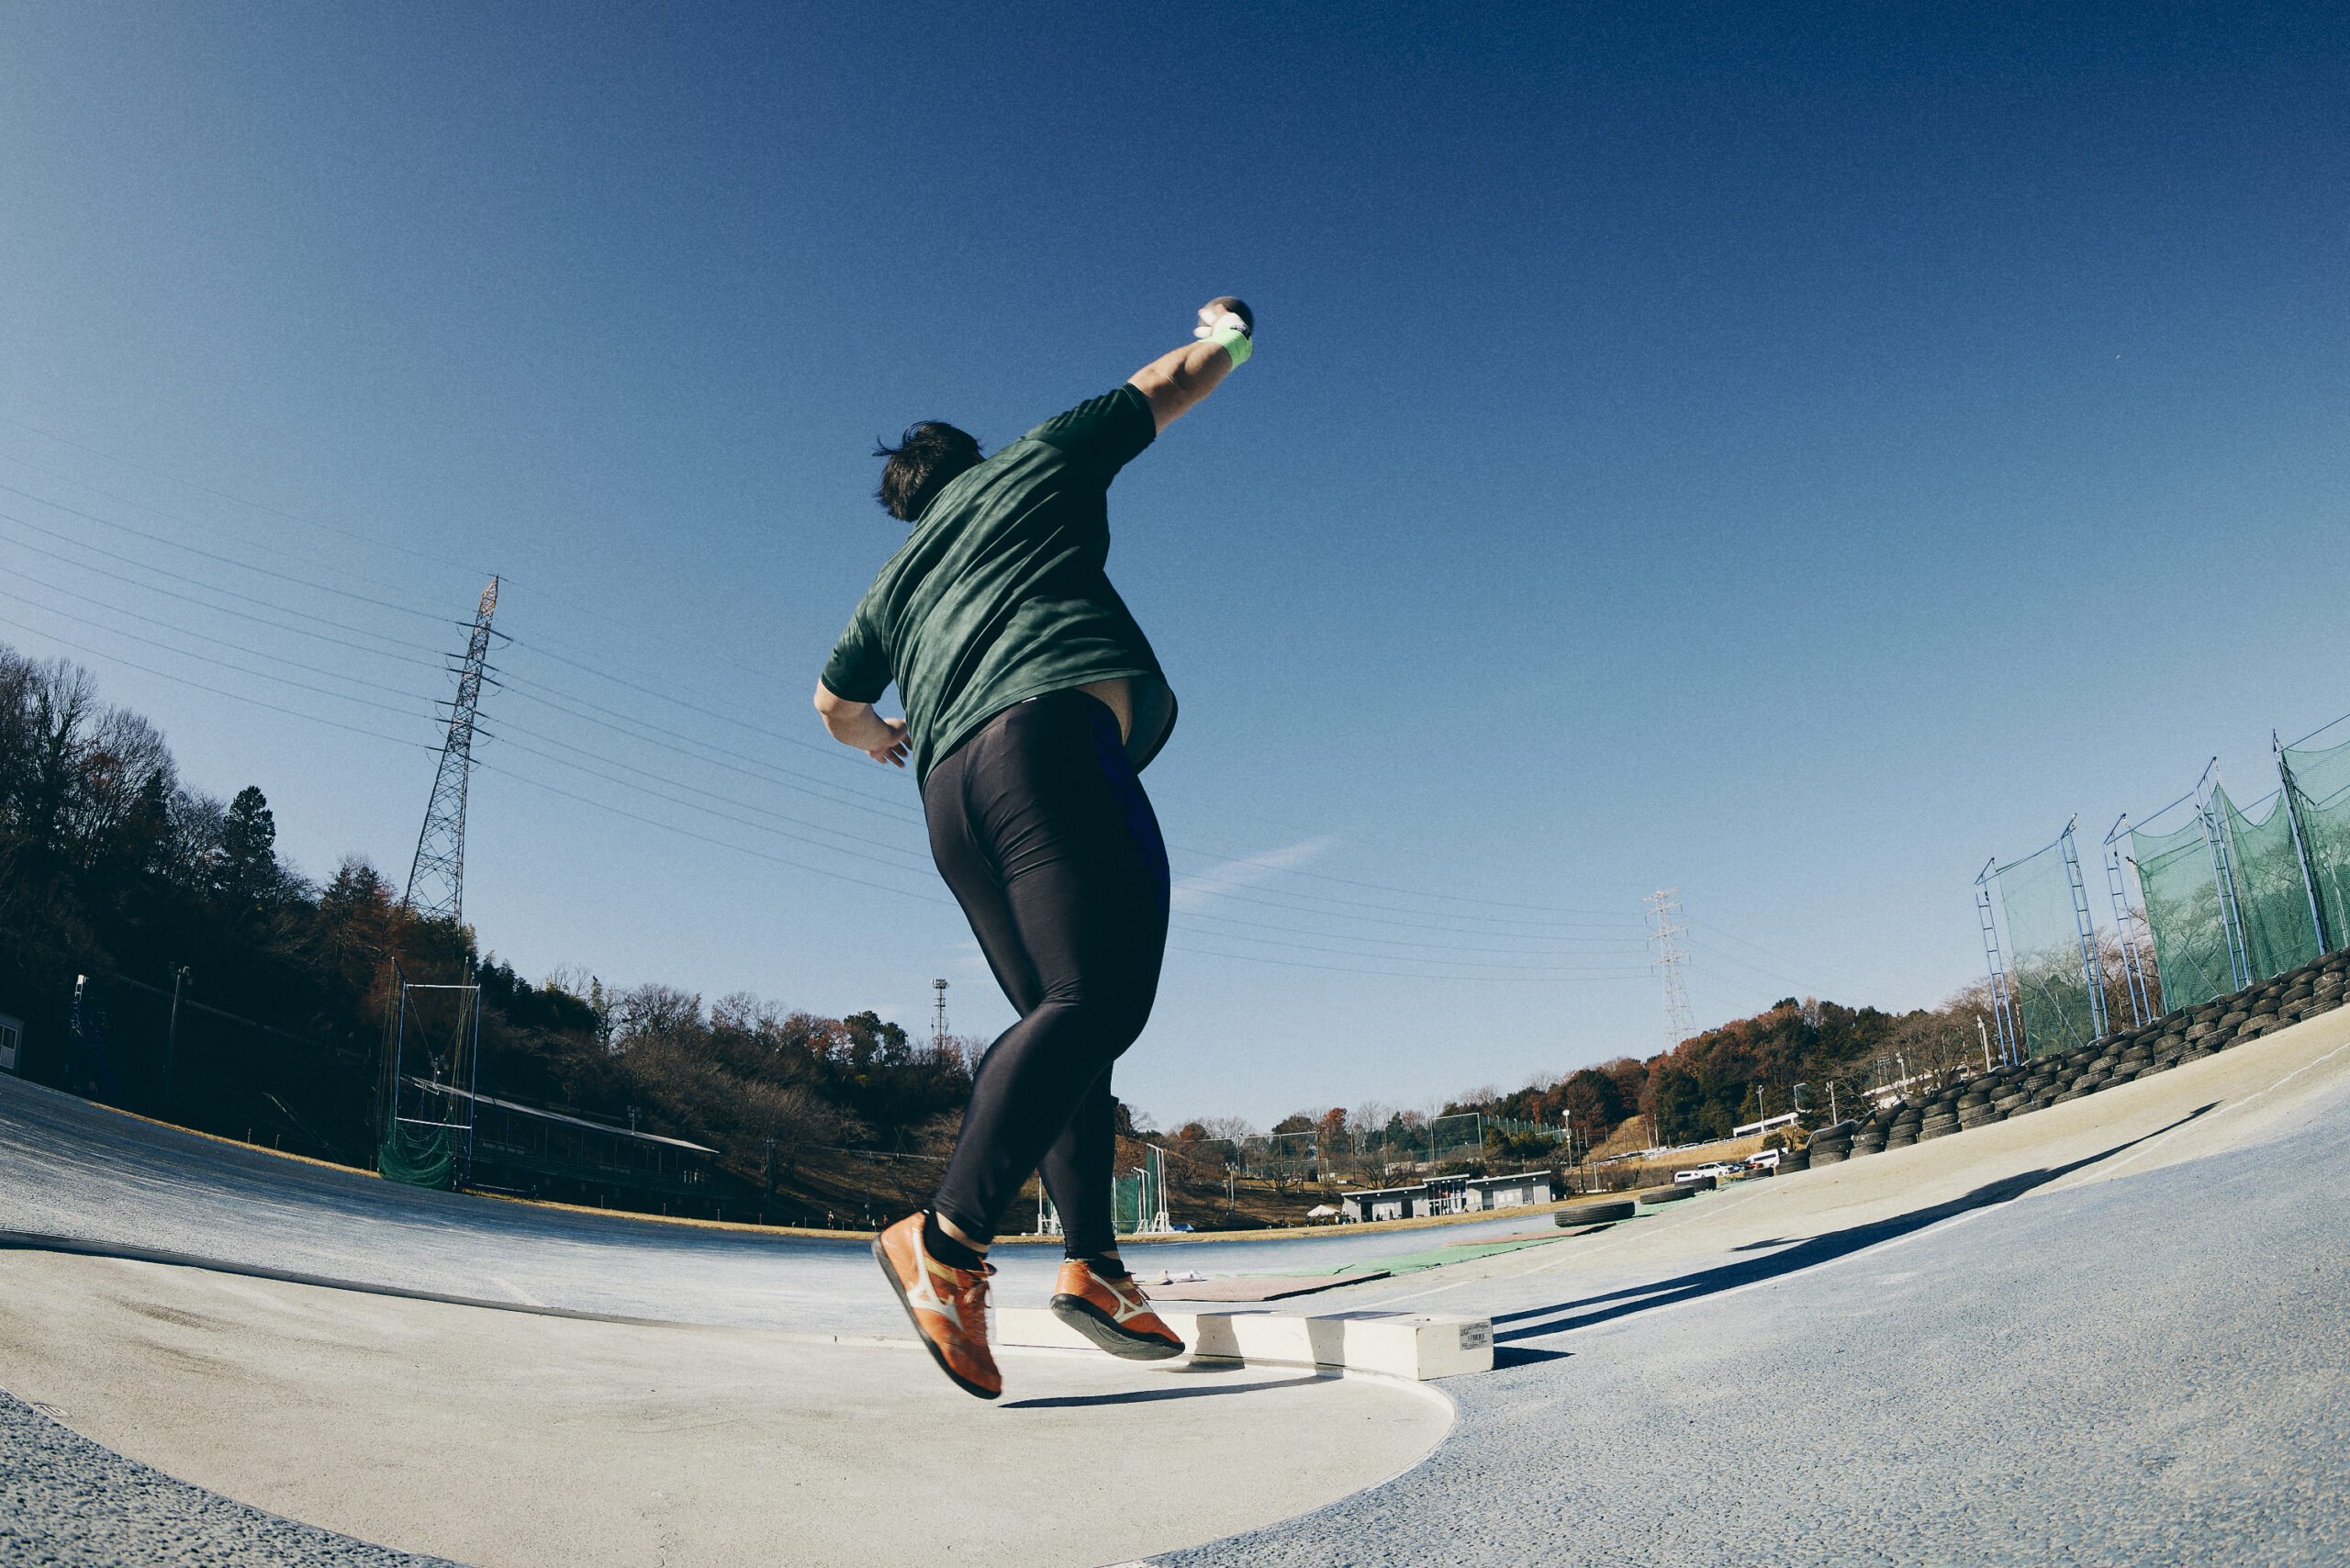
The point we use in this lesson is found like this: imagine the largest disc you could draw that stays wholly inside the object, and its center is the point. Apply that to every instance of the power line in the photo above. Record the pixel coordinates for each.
(225, 560)
(189, 632)
(223, 495)
(169, 516)
(200, 604)
(217, 692)
(191, 653)
(230, 593)
(1289, 902)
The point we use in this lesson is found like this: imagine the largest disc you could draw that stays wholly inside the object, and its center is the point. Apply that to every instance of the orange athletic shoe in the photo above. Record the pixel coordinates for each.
(1113, 1314)
(948, 1306)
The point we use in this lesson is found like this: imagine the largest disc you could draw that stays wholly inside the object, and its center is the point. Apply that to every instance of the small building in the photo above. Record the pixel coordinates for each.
(1448, 1195)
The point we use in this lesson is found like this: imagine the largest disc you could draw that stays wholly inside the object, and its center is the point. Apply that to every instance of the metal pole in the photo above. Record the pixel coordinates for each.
(77, 1068)
(2141, 1002)
(2223, 873)
(473, 1084)
(172, 1034)
(2092, 973)
(2301, 848)
(2012, 1045)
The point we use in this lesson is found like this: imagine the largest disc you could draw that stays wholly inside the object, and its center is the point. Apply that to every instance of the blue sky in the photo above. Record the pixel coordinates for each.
(1792, 454)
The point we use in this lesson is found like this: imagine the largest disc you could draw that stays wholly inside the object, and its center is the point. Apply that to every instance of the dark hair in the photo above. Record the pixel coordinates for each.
(925, 458)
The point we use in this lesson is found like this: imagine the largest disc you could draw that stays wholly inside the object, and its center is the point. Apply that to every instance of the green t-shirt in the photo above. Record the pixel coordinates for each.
(999, 594)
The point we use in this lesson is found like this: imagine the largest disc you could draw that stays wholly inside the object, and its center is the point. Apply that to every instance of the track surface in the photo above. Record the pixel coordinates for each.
(2115, 1332)
(71, 1168)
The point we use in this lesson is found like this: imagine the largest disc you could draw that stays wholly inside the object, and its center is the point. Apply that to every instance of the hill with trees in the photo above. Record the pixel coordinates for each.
(114, 868)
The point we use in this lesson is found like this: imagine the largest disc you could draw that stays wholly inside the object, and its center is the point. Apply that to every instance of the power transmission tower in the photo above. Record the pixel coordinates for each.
(938, 1019)
(436, 879)
(1680, 1022)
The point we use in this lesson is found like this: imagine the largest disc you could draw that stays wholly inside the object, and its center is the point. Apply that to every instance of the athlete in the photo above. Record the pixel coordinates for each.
(1032, 701)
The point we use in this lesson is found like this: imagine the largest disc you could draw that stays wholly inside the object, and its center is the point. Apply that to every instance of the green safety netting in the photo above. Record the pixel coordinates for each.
(419, 1160)
(2272, 893)
(1125, 1205)
(2320, 784)
(2052, 1005)
(2182, 894)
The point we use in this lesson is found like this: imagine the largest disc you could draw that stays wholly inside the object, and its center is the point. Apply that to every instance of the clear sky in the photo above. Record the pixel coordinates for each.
(1791, 454)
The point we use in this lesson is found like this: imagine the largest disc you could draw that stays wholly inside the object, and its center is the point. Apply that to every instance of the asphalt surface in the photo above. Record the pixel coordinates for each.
(2150, 1369)
(2111, 1332)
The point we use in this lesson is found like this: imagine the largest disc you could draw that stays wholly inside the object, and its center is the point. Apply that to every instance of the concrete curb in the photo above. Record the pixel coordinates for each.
(1408, 1347)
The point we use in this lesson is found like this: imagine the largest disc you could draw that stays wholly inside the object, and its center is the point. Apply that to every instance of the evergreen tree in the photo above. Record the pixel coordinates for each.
(247, 866)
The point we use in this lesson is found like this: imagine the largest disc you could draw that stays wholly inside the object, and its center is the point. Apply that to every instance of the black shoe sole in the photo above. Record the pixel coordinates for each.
(889, 1273)
(1099, 1326)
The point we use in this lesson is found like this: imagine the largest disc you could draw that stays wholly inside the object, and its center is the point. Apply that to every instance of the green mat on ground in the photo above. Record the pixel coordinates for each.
(1412, 1262)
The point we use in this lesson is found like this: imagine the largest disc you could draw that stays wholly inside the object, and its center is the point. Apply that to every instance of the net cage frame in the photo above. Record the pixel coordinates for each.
(2048, 1017)
(2128, 923)
(2262, 892)
(444, 1155)
(2179, 873)
(2316, 784)
(1138, 1204)
(2275, 906)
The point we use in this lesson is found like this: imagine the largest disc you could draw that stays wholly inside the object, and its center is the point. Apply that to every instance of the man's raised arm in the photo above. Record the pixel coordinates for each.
(1176, 381)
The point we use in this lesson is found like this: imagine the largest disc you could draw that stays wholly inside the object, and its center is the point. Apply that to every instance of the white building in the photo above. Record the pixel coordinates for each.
(1447, 1195)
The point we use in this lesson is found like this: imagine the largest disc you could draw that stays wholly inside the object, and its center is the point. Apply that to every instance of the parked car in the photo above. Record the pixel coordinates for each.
(1716, 1171)
(1768, 1159)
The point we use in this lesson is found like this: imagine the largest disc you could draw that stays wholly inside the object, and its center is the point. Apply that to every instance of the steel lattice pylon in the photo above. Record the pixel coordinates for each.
(1680, 1020)
(436, 879)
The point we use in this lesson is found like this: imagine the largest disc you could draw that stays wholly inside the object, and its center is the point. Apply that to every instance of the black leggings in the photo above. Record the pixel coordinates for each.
(1042, 831)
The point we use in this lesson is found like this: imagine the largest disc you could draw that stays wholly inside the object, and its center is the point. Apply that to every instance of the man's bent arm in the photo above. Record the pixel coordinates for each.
(1175, 382)
(856, 724)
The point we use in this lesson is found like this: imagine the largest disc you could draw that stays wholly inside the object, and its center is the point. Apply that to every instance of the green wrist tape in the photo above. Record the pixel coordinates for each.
(1234, 341)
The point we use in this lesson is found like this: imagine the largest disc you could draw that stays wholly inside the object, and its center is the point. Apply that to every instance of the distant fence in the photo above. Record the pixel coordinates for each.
(1372, 1155)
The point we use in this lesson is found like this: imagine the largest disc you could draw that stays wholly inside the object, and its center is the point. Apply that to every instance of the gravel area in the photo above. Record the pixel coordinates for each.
(65, 1500)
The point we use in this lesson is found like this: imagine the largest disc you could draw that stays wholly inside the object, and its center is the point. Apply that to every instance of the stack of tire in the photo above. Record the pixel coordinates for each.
(1869, 1136)
(1830, 1146)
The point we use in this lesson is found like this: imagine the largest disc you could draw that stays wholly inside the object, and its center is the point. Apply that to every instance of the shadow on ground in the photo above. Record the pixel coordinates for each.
(1538, 1322)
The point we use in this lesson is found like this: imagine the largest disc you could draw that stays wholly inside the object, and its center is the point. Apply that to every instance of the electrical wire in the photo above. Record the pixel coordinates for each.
(171, 544)
(205, 526)
(189, 632)
(230, 593)
(1289, 902)
(217, 692)
(191, 653)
